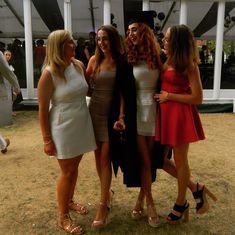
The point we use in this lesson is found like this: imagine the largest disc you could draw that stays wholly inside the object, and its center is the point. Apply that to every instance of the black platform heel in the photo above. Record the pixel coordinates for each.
(179, 214)
(202, 205)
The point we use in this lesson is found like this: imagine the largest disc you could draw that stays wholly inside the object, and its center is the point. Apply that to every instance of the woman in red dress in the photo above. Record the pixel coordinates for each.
(178, 122)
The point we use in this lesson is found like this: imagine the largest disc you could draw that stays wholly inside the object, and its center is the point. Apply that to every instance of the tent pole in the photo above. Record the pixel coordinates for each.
(219, 49)
(28, 48)
(183, 12)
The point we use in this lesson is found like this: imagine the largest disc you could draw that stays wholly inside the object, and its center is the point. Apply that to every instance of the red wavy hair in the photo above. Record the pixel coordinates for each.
(151, 48)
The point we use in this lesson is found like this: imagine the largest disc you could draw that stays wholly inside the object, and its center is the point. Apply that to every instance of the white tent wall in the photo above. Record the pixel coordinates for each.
(13, 27)
(81, 19)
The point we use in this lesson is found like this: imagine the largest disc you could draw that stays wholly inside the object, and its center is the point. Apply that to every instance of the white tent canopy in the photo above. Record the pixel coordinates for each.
(83, 16)
(82, 11)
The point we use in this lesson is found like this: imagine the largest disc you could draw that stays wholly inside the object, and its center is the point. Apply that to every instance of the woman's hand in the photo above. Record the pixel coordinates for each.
(161, 97)
(119, 125)
(49, 148)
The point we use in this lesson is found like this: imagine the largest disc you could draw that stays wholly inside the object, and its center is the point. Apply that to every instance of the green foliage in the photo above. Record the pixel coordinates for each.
(227, 46)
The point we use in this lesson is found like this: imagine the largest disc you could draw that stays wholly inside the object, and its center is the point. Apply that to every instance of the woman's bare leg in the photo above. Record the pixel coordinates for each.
(103, 165)
(183, 172)
(66, 183)
(145, 149)
(169, 167)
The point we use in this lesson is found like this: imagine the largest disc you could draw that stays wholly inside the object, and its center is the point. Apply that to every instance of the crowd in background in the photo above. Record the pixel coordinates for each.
(85, 48)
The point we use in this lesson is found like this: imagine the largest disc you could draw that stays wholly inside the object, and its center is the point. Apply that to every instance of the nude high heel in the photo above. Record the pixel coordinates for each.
(202, 205)
(138, 211)
(153, 218)
(103, 222)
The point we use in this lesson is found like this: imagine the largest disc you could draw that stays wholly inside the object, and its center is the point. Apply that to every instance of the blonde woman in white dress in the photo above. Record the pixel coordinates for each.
(65, 124)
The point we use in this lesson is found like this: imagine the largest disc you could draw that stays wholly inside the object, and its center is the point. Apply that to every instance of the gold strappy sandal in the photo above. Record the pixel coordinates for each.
(80, 209)
(65, 223)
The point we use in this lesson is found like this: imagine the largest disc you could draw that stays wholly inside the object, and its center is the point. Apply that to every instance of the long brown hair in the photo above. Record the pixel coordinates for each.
(115, 44)
(182, 50)
(150, 45)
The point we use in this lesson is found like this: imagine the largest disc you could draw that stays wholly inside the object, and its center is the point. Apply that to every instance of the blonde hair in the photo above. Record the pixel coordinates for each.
(55, 57)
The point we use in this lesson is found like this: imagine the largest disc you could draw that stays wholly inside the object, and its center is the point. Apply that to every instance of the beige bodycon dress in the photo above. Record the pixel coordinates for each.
(100, 102)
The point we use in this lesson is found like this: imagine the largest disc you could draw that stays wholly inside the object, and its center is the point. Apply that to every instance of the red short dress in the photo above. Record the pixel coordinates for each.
(177, 123)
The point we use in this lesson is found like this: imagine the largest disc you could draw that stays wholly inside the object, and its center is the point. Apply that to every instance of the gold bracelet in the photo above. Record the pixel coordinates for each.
(45, 136)
(167, 95)
(48, 142)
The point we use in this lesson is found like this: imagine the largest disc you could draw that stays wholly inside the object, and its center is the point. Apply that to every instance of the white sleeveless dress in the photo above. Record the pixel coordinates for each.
(146, 83)
(70, 121)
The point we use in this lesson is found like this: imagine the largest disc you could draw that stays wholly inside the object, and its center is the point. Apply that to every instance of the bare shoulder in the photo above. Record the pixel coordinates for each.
(167, 67)
(193, 68)
(46, 78)
(45, 74)
(164, 67)
(45, 87)
(194, 75)
(91, 64)
(92, 60)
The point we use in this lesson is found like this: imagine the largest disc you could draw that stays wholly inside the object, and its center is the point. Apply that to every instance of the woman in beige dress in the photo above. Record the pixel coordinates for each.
(102, 70)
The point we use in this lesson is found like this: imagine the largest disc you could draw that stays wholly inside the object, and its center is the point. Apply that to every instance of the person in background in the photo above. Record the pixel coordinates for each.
(143, 53)
(16, 98)
(18, 61)
(6, 73)
(4, 143)
(39, 53)
(65, 125)
(202, 55)
(8, 56)
(181, 91)
(160, 36)
(91, 44)
(81, 51)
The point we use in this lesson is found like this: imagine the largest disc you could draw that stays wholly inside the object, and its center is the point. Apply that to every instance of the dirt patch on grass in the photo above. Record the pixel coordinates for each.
(28, 185)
